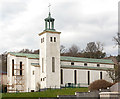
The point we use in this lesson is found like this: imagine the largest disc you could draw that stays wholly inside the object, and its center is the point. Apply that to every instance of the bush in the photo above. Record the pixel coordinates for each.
(99, 84)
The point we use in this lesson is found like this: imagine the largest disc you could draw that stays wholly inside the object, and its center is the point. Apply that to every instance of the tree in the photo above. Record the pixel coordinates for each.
(94, 50)
(25, 51)
(73, 50)
(29, 51)
(117, 41)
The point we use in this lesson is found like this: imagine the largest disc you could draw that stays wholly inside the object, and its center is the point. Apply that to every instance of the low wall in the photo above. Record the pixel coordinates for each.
(109, 95)
(87, 95)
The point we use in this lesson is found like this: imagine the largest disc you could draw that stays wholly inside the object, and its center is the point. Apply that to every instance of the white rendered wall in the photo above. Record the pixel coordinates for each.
(29, 80)
(48, 50)
(11, 79)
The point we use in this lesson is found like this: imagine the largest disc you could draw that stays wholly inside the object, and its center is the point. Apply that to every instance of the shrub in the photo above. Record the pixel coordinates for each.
(99, 84)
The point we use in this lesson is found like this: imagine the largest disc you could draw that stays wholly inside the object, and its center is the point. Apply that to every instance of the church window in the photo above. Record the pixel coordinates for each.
(100, 75)
(41, 40)
(50, 39)
(98, 65)
(33, 72)
(61, 76)
(54, 39)
(72, 63)
(75, 76)
(42, 65)
(53, 64)
(88, 77)
(13, 67)
(85, 64)
(20, 68)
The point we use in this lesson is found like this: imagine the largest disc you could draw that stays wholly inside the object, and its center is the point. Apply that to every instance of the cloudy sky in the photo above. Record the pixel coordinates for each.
(80, 21)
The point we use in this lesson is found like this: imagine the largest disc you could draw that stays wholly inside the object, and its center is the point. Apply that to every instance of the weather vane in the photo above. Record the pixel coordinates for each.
(49, 6)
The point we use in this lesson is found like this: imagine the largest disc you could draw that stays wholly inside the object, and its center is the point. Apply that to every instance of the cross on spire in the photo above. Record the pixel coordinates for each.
(49, 6)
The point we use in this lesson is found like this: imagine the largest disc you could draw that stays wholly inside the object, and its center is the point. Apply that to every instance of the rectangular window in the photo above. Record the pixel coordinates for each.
(75, 77)
(88, 77)
(100, 75)
(72, 63)
(42, 65)
(85, 64)
(61, 76)
(43, 39)
(54, 39)
(20, 68)
(13, 67)
(53, 64)
(50, 39)
(98, 65)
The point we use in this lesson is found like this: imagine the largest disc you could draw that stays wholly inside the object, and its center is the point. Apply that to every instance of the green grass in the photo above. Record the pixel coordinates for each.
(47, 93)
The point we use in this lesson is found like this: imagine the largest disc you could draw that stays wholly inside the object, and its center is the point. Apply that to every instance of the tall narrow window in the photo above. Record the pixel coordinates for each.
(75, 77)
(50, 39)
(20, 68)
(88, 77)
(42, 65)
(53, 64)
(54, 39)
(100, 75)
(43, 39)
(13, 67)
(61, 76)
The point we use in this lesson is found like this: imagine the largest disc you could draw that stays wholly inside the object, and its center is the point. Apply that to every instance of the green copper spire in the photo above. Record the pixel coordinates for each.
(49, 22)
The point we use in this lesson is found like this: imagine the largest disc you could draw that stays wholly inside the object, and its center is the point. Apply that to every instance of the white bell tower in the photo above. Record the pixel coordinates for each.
(49, 55)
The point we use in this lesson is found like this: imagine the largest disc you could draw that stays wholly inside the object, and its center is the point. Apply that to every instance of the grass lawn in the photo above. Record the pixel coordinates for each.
(47, 93)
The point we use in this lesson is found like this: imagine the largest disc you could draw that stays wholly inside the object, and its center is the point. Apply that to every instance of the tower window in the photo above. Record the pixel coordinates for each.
(53, 64)
(20, 68)
(50, 39)
(42, 65)
(54, 39)
(41, 40)
(72, 63)
(13, 67)
(33, 72)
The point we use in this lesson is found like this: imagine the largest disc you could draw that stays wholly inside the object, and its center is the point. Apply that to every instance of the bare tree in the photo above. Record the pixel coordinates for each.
(94, 50)
(73, 50)
(94, 47)
(91, 47)
(114, 74)
(117, 39)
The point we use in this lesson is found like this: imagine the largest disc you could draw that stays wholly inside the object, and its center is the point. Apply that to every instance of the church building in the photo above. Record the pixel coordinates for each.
(29, 72)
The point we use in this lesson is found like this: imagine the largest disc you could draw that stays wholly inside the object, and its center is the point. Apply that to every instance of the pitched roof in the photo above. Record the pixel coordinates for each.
(24, 55)
(91, 60)
(65, 58)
